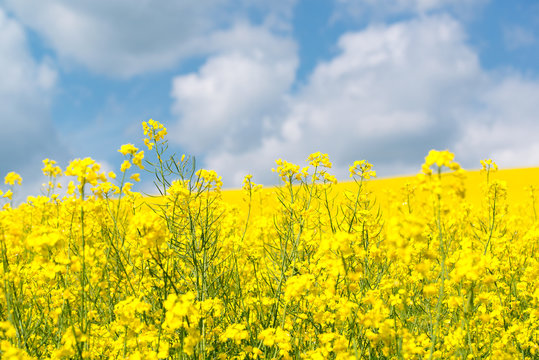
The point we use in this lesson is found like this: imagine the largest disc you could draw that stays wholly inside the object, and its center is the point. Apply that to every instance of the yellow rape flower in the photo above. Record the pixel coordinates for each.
(86, 170)
(137, 159)
(7, 330)
(362, 169)
(440, 159)
(488, 165)
(149, 144)
(128, 149)
(155, 132)
(179, 309)
(235, 332)
(125, 165)
(51, 169)
(8, 194)
(288, 171)
(318, 159)
(12, 178)
(127, 188)
(249, 185)
(208, 179)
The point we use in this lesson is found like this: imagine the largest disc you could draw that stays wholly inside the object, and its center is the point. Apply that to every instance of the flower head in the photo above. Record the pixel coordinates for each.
(440, 159)
(12, 178)
(362, 168)
(154, 132)
(128, 149)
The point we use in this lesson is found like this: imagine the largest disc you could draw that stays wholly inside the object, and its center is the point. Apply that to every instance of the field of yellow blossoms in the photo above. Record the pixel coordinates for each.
(432, 269)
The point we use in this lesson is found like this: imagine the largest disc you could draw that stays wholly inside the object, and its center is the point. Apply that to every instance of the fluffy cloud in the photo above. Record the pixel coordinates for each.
(388, 96)
(237, 96)
(392, 93)
(503, 125)
(124, 38)
(26, 91)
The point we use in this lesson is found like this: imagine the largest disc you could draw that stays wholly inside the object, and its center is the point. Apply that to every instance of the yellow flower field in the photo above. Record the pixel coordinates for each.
(438, 266)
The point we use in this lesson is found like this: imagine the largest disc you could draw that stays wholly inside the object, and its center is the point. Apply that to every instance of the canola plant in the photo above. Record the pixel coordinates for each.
(309, 270)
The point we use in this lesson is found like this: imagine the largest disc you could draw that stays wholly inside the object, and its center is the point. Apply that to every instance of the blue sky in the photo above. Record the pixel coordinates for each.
(241, 83)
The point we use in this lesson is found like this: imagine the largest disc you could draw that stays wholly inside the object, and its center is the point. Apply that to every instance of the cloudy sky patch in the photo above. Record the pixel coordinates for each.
(242, 83)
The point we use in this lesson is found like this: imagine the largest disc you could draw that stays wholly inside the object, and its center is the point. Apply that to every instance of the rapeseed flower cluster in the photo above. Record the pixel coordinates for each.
(303, 271)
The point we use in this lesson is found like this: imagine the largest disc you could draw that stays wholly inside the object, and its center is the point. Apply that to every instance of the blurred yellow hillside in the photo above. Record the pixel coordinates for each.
(517, 181)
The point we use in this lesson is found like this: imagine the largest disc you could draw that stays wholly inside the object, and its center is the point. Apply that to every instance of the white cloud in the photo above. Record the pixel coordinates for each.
(20, 74)
(26, 91)
(504, 124)
(124, 38)
(237, 95)
(390, 95)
